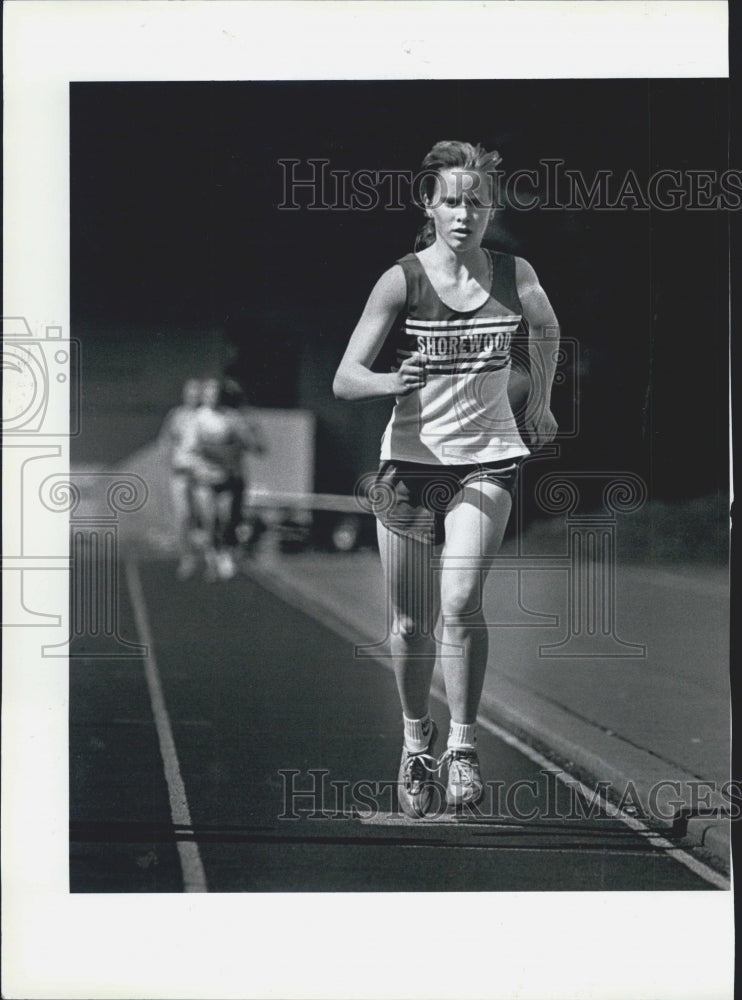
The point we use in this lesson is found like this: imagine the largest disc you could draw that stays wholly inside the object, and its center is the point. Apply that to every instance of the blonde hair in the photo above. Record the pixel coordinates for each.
(450, 154)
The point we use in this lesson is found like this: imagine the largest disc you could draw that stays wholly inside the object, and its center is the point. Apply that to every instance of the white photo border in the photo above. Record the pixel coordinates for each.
(555, 945)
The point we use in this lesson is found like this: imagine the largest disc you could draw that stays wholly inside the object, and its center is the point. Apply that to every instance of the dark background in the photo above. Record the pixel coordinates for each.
(176, 239)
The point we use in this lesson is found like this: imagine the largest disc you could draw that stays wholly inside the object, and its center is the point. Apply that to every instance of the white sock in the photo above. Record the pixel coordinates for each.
(417, 733)
(462, 736)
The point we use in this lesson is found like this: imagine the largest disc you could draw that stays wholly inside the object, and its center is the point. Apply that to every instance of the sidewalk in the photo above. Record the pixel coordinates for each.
(635, 718)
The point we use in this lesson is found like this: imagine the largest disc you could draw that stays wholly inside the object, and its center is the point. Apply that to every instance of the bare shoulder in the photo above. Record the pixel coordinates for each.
(536, 306)
(525, 275)
(391, 288)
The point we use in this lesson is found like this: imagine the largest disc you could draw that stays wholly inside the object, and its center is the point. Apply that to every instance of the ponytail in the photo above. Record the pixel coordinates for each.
(425, 235)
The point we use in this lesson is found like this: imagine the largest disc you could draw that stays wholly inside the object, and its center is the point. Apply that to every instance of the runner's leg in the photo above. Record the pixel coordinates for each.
(223, 500)
(225, 563)
(412, 599)
(180, 498)
(237, 495)
(474, 531)
(413, 604)
(204, 497)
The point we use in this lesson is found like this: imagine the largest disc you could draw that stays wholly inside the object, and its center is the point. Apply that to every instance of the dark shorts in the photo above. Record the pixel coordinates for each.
(232, 483)
(412, 499)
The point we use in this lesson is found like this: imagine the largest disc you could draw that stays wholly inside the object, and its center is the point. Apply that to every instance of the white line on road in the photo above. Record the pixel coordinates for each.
(194, 876)
(283, 589)
(698, 867)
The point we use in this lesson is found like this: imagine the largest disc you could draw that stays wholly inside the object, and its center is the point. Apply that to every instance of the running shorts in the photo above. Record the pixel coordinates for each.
(412, 499)
(219, 485)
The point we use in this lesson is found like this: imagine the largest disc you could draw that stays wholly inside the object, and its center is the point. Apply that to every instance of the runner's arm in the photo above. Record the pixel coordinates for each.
(354, 379)
(543, 341)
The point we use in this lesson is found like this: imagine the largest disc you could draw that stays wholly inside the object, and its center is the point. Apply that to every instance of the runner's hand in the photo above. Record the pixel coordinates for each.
(541, 428)
(411, 374)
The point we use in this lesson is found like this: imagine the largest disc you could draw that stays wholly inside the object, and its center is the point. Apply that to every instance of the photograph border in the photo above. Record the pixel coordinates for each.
(283, 945)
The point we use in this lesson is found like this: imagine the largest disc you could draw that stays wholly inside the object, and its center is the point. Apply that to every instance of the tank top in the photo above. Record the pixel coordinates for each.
(215, 445)
(462, 415)
(177, 429)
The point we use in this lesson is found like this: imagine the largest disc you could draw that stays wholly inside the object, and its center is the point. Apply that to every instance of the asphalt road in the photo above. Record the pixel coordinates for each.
(251, 703)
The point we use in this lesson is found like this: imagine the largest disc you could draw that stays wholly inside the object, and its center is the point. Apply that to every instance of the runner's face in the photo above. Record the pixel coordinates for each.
(210, 393)
(461, 208)
(192, 393)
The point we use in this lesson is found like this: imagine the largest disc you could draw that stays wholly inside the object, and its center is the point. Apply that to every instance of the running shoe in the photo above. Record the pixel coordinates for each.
(186, 567)
(415, 779)
(225, 565)
(211, 567)
(464, 786)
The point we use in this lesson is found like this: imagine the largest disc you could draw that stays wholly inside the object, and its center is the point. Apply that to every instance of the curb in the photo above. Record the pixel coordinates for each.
(670, 803)
(593, 755)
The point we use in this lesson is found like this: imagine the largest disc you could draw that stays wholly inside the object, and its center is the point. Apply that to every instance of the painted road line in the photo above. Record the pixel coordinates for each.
(287, 591)
(657, 840)
(194, 876)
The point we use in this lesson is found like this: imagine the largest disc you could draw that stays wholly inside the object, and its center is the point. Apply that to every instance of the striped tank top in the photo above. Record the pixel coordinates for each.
(462, 414)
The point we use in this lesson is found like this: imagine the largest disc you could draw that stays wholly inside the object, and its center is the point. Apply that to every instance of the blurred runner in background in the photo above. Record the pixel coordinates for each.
(220, 438)
(174, 434)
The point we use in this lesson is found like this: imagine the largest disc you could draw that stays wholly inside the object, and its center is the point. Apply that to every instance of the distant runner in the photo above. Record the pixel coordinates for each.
(175, 432)
(218, 441)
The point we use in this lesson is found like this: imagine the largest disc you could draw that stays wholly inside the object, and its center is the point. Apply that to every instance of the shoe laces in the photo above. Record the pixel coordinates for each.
(417, 764)
(464, 760)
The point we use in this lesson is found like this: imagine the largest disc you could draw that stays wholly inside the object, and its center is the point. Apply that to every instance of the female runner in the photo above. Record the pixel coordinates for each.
(451, 450)
(175, 434)
(219, 439)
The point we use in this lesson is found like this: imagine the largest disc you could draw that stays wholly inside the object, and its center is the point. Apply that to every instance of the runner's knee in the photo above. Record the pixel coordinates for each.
(460, 598)
(411, 627)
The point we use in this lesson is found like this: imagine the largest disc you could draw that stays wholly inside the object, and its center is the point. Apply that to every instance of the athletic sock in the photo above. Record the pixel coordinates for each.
(462, 736)
(417, 733)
